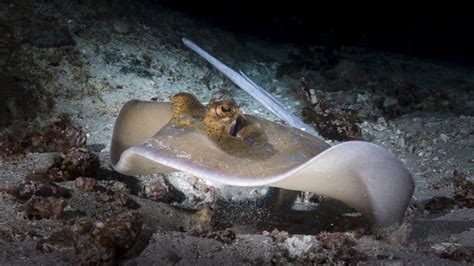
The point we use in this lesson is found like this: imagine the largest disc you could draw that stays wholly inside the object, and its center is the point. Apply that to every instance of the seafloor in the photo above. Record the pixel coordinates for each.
(67, 67)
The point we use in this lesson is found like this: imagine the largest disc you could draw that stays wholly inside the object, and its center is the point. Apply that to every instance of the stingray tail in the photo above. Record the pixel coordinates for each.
(257, 92)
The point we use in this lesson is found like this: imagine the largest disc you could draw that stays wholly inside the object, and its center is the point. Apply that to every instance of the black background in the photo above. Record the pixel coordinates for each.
(442, 32)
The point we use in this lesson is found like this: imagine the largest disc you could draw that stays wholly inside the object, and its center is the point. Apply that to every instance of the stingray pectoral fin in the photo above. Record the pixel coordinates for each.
(137, 122)
(362, 175)
(138, 160)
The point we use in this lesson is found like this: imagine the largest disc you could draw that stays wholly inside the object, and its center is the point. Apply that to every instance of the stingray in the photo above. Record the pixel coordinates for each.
(220, 143)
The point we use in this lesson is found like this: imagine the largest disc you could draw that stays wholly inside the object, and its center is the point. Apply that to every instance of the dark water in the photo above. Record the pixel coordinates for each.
(445, 34)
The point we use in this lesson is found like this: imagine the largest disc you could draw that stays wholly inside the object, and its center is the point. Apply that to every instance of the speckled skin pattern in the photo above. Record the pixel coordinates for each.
(223, 123)
(186, 109)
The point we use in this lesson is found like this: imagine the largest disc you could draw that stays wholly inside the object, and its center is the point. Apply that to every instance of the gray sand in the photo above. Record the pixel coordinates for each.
(96, 58)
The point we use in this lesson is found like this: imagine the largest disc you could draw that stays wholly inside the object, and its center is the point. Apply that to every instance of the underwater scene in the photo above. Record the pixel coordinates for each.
(170, 133)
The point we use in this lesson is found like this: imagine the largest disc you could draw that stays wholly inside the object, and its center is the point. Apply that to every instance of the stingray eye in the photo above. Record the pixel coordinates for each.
(225, 109)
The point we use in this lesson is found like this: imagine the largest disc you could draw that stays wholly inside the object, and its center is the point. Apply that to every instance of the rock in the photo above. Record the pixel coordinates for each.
(463, 190)
(86, 183)
(379, 127)
(437, 204)
(335, 240)
(331, 125)
(156, 192)
(325, 248)
(389, 101)
(401, 142)
(73, 163)
(201, 221)
(226, 236)
(121, 231)
(381, 120)
(37, 184)
(121, 27)
(300, 246)
(117, 193)
(444, 137)
(453, 251)
(60, 135)
(44, 208)
(463, 195)
(278, 236)
(362, 98)
(160, 190)
(107, 242)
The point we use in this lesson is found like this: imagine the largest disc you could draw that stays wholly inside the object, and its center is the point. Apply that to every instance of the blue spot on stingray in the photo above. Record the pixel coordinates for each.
(319, 146)
(300, 156)
(250, 139)
(296, 139)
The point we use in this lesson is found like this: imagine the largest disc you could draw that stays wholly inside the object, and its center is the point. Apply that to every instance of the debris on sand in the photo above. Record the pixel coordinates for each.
(44, 208)
(60, 135)
(162, 191)
(463, 195)
(36, 184)
(324, 248)
(86, 183)
(439, 203)
(453, 251)
(463, 190)
(201, 221)
(107, 242)
(41, 198)
(329, 124)
(74, 163)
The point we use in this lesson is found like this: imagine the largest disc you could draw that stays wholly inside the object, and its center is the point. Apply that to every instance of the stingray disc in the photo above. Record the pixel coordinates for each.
(365, 176)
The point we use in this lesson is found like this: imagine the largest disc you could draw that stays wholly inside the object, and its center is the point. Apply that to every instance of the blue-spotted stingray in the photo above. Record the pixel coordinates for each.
(220, 143)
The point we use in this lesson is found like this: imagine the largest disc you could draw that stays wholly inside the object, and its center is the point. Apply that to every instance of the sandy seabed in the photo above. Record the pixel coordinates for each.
(86, 59)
